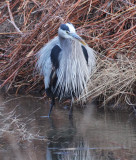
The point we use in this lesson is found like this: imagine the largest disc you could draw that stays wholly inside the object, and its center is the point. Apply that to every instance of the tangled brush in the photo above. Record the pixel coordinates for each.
(108, 26)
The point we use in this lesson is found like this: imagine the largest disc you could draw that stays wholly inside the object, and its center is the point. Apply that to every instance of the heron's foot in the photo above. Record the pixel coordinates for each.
(51, 106)
(45, 116)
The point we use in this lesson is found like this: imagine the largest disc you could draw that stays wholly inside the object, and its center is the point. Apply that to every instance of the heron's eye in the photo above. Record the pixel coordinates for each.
(67, 32)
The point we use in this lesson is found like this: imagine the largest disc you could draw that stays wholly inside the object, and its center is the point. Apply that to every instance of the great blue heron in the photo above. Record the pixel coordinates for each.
(66, 63)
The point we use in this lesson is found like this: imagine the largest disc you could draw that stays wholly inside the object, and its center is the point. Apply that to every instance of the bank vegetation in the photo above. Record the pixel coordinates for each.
(108, 26)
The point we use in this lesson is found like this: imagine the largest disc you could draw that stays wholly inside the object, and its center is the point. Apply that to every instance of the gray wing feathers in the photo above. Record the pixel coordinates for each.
(44, 64)
(91, 58)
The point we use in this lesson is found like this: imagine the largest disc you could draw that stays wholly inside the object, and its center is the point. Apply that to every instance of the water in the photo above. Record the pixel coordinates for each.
(90, 135)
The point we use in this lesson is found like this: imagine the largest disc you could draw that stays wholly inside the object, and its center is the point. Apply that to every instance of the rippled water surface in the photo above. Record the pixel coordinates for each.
(90, 135)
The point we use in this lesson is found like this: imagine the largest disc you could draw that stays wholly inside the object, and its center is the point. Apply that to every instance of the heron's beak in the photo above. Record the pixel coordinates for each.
(77, 37)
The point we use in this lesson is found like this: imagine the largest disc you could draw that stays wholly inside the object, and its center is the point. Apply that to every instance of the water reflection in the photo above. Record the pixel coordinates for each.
(90, 135)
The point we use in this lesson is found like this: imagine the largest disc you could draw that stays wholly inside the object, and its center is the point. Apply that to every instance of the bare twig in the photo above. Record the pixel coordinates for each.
(11, 18)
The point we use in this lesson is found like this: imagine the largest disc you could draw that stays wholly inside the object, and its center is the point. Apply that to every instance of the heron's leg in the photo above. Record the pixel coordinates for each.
(134, 108)
(71, 109)
(51, 106)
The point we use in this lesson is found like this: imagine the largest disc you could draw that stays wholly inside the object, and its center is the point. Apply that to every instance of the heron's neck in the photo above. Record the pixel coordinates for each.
(66, 43)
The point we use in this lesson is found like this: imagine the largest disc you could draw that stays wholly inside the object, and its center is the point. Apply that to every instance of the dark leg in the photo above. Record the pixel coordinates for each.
(51, 106)
(134, 109)
(71, 109)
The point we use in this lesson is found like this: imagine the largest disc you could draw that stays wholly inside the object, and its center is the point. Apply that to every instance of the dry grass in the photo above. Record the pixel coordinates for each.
(114, 80)
(107, 26)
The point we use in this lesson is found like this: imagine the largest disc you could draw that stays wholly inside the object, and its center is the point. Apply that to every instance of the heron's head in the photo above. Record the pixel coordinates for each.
(68, 31)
